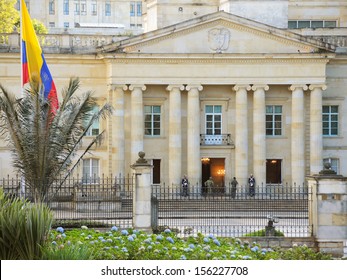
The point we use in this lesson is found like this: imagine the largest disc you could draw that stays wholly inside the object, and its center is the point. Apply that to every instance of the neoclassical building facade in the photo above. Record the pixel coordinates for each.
(217, 95)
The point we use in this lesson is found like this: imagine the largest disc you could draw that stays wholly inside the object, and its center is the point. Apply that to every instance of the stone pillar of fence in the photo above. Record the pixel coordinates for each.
(142, 194)
(328, 210)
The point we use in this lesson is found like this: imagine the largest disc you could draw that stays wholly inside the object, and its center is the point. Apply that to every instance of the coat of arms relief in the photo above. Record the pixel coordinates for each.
(219, 39)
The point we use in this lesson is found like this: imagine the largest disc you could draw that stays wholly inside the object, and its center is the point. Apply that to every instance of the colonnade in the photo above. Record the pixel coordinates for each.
(242, 165)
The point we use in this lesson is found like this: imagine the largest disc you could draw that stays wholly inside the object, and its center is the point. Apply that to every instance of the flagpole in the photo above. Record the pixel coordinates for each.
(22, 178)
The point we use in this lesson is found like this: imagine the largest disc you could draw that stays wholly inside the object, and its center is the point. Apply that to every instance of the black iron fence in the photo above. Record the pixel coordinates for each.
(99, 202)
(271, 210)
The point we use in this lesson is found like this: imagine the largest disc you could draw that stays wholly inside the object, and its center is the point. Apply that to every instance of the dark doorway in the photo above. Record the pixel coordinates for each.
(215, 168)
(156, 171)
(273, 171)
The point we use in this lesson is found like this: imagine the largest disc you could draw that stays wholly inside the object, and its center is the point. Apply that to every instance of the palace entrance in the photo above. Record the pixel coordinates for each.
(273, 171)
(213, 167)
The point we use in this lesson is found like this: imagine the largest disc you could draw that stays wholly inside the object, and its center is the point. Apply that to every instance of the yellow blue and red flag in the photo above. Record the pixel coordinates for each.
(33, 60)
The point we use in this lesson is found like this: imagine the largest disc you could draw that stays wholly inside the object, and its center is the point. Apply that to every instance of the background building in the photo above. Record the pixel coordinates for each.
(212, 88)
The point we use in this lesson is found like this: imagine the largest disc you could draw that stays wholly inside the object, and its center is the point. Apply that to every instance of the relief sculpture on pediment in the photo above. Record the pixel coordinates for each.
(219, 39)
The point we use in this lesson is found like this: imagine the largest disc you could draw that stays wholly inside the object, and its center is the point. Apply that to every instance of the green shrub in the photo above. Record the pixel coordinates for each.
(67, 252)
(24, 228)
(262, 232)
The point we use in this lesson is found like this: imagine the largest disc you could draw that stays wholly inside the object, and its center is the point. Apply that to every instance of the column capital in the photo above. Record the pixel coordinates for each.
(197, 86)
(314, 86)
(115, 86)
(172, 86)
(295, 87)
(242, 86)
(141, 86)
(264, 87)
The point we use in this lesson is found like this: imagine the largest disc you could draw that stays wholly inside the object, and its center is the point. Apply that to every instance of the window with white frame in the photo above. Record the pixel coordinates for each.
(293, 24)
(83, 7)
(107, 8)
(213, 119)
(273, 120)
(334, 163)
(330, 120)
(77, 7)
(90, 171)
(95, 127)
(94, 8)
(66, 7)
(51, 7)
(152, 120)
(139, 8)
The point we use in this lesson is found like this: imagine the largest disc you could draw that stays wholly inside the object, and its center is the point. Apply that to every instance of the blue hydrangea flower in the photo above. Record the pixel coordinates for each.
(215, 241)
(183, 257)
(211, 235)
(160, 237)
(255, 249)
(124, 232)
(147, 241)
(54, 243)
(170, 240)
(191, 246)
(60, 229)
(246, 257)
(131, 238)
(206, 240)
(125, 250)
(263, 250)
(167, 230)
(114, 228)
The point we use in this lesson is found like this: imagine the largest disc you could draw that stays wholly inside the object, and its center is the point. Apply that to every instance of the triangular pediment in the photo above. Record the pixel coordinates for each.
(219, 33)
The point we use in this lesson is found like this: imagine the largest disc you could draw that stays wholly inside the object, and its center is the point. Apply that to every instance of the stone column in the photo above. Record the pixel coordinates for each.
(175, 134)
(297, 135)
(142, 194)
(328, 210)
(259, 133)
(193, 134)
(137, 121)
(241, 134)
(117, 137)
(316, 137)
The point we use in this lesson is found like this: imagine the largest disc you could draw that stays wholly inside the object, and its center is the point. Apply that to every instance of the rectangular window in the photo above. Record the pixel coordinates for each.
(51, 7)
(132, 9)
(334, 163)
(51, 24)
(292, 24)
(139, 8)
(94, 8)
(95, 127)
(66, 25)
(108, 8)
(213, 119)
(152, 120)
(83, 7)
(330, 24)
(273, 120)
(330, 120)
(90, 171)
(66, 7)
(156, 171)
(77, 7)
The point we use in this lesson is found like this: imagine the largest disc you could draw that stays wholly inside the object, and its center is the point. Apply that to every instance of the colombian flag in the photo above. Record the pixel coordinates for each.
(33, 61)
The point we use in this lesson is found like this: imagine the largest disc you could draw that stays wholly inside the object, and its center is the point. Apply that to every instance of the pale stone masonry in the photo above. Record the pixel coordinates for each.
(233, 86)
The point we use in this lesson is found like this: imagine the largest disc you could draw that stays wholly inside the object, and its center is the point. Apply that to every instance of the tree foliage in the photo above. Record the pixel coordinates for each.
(44, 145)
(9, 15)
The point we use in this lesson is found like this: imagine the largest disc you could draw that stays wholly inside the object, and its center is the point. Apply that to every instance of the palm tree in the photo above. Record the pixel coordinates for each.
(43, 142)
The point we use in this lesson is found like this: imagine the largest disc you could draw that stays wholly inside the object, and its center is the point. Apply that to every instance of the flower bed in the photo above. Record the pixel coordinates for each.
(122, 244)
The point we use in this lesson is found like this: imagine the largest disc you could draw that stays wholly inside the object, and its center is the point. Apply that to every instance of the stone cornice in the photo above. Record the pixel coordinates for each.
(242, 60)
